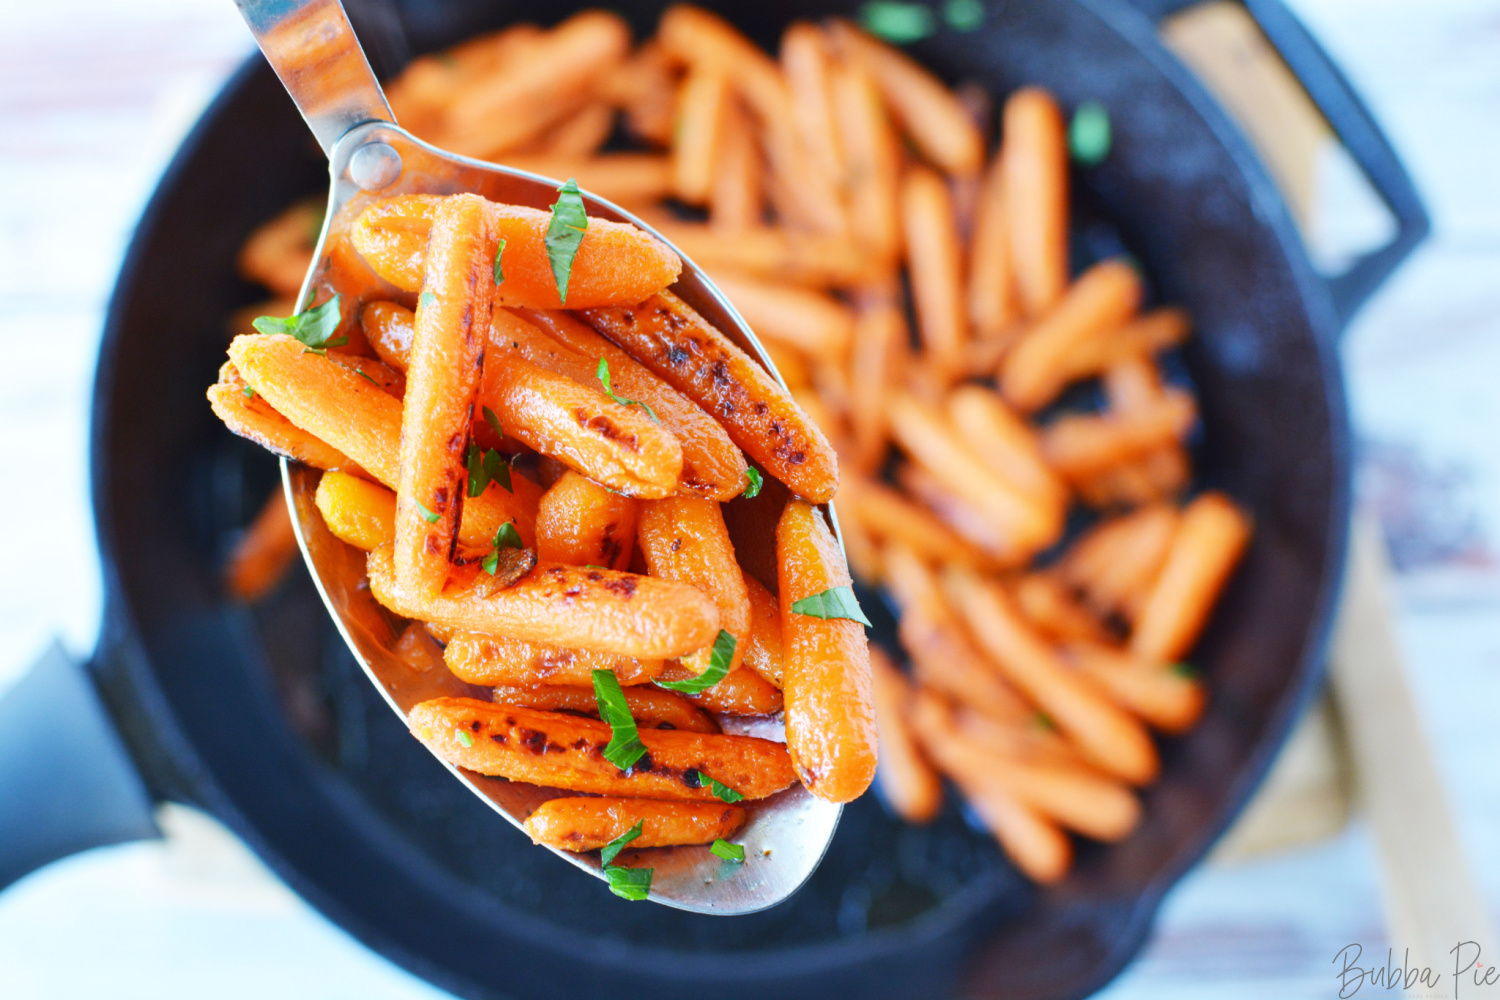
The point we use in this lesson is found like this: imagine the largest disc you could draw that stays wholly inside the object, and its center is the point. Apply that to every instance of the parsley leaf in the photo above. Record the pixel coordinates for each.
(729, 852)
(312, 328)
(1184, 669)
(835, 602)
(1089, 134)
(603, 374)
(499, 271)
(721, 791)
(963, 15)
(474, 463)
(718, 666)
(564, 234)
(897, 22)
(427, 515)
(498, 469)
(756, 482)
(507, 537)
(364, 374)
(629, 883)
(611, 850)
(248, 392)
(625, 746)
(493, 421)
(464, 737)
(426, 300)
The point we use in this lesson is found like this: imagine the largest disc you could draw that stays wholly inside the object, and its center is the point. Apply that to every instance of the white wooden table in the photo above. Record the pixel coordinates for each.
(94, 96)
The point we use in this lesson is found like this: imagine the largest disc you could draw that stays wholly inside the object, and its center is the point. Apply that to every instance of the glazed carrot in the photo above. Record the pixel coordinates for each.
(617, 445)
(356, 510)
(1005, 443)
(649, 706)
(924, 433)
(324, 399)
(702, 102)
(1082, 445)
(581, 523)
(736, 198)
(943, 656)
(1047, 604)
(616, 262)
(1031, 840)
(634, 180)
(807, 65)
(810, 260)
(1037, 368)
(246, 413)
(671, 339)
(644, 89)
(585, 823)
(990, 290)
(418, 649)
(712, 467)
(263, 553)
(741, 692)
(581, 133)
(934, 263)
(907, 782)
(872, 155)
(888, 515)
(1165, 697)
(447, 353)
(493, 660)
(929, 112)
(961, 517)
(875, 365)
(685, 539)
(763, 653)
(538, 85)
(1137, 339)
(1109, 738)
(1034, 175)
(807, 320)
(1115, 562)
(568, 606)
(565, 751)
(388, 327)
(1073, 796)
(1210, 539)
(279, 253)
(830, 715)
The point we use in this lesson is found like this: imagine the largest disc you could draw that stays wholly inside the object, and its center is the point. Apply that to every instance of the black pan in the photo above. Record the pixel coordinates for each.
(260, 716)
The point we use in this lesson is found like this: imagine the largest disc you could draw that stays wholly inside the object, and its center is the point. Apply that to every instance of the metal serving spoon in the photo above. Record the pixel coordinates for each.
(311, 46)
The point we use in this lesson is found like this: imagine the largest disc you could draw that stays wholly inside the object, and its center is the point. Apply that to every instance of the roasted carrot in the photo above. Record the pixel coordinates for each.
(565, 751)
(493, 661)
(685, 539)
(649, 706)
(712, 467)
(586, 823)
(934, 262)
(356, 510)
(388, 327)
(1034, 175)
(872, 155)
(581, 523)
(702, 105)
(1163, 695)
(741, 692)
(671, 339)
(830, 714)
(261, 557)
(990, 290)
(1209, 541)
(1047, 604)
(246, 413)
(875, 365)
(807, 320)
(1005, 443)
(887, 514)
(1115, 563)
(568, 606)
(907, 782)
(763, 653)
(447, 354)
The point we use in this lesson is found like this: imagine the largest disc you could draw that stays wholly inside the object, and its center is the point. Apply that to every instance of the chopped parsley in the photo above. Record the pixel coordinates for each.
(756, 482)
(506, 537)
(1184, 669)
(835, 602)
(963, 15)
(564, 234)
(625, 746)
(627, 883)
(603, 373)
(366, 376)
(464, 737)
(729, 852)
(248, 392)
(499, 271)
(721, 791)
(427, 515)
(493, 421)
(1089, 134)
(718, 666)
(426, 299)
(312, 327)
(484, 466)
(897, 22)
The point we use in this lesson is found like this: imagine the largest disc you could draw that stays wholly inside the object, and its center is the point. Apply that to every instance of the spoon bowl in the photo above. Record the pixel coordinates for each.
(312, 48)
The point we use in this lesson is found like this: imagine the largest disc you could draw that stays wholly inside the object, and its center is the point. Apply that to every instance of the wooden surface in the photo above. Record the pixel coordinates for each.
(94, 96)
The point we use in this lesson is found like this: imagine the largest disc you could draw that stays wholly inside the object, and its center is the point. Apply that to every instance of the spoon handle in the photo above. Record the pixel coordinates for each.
(311, 46)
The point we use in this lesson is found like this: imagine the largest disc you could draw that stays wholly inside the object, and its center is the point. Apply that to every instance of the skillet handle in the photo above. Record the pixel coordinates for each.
(67, 783)
(1328, 89)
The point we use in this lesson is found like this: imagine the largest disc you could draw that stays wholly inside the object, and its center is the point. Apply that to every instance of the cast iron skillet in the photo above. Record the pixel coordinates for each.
(260, 716)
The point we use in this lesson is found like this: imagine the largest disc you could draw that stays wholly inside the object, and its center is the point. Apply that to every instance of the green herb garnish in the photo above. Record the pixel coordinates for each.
(506, 537)
(1044, 721)
(1089, 133)
(248, 392)
(493, 421)
(499, 272)
(611, 850)
(835, 602)
(427, 515)
(729, 852)
(1184, 669)
(474, 464)
(897, 22)
(498, 469)
(627, 883)
(426, 299)
(312, 328)
(718, 666)
(721, 791)
(756, 482)
(564, 234)
(365, 375)
(464, 737)
(625, 746)
(963, 15)
(603, 373)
